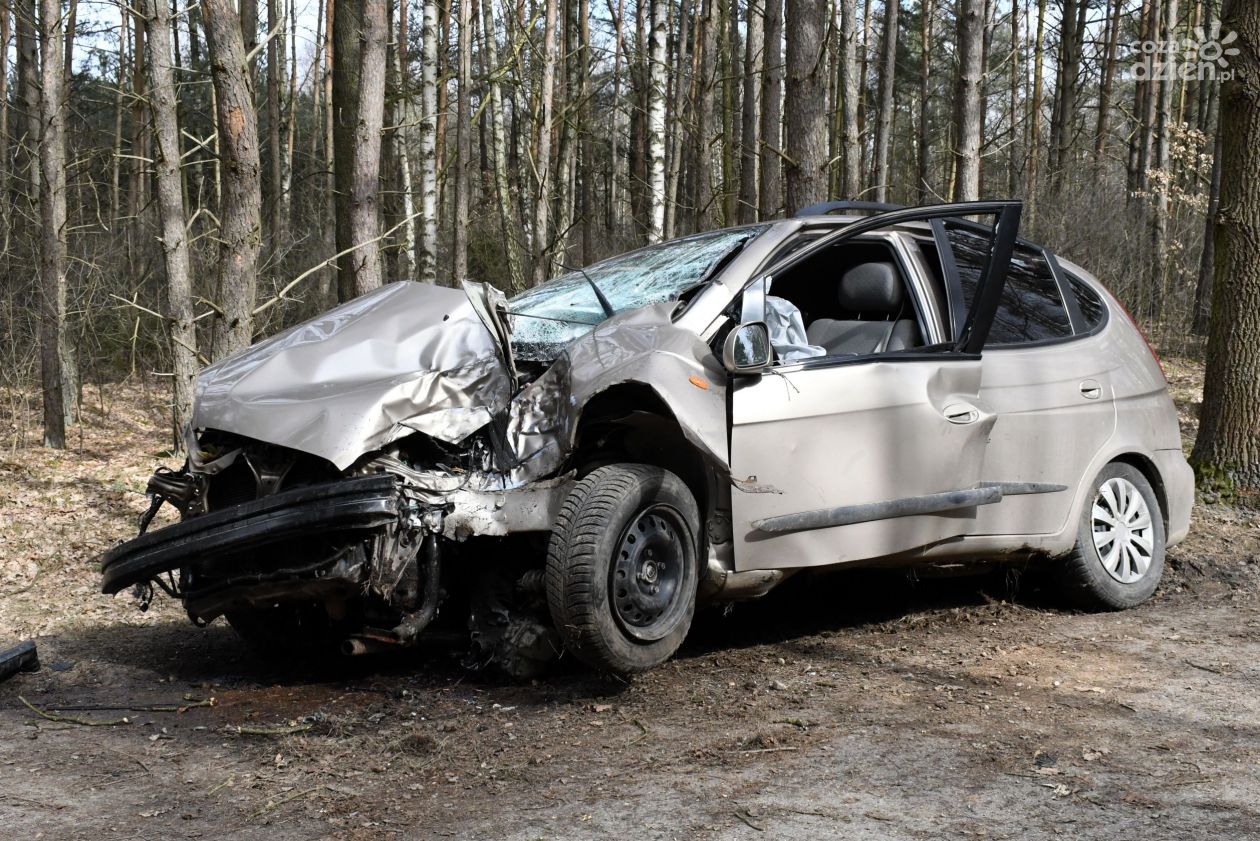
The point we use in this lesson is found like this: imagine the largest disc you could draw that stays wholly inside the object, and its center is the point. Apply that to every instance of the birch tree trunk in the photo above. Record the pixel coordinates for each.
(171, 216)
(968, 101)
(923, 187)
(365, 226)
(771, 186)
(4, 110)
(851, 179)
(398, 135)
(426, 240)
(657, 88)
(1227, 450)
(53, 348)
(498, 149)
(463, 145)
(240, 231)
(884, 119)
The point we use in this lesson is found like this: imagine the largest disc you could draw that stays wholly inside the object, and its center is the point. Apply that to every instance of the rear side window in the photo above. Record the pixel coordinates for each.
(1092, 307)
(1031, 308)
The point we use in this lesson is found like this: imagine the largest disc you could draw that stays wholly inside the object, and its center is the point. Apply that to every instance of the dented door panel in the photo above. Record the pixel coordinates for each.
(819, 438)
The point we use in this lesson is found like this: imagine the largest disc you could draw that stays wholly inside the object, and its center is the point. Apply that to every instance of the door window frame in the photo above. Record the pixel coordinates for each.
(1003, 235)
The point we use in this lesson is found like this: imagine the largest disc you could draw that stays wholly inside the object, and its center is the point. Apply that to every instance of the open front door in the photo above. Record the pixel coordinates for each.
(855, 457)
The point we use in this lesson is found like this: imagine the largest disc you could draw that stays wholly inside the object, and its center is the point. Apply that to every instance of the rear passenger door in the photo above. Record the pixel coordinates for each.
(1044, 380)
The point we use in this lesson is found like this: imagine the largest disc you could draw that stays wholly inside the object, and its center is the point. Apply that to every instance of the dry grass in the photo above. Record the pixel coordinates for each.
(59, 509)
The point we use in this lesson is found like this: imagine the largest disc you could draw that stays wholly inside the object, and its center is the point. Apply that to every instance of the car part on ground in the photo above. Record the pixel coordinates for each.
(21, 658)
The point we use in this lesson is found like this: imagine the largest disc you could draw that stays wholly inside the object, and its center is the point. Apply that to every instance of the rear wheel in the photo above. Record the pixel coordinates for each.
(1119, 554)
(623, 566)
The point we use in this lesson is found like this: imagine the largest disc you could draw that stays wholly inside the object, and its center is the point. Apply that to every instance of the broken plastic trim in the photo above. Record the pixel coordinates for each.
(986, 493)
(341, 506)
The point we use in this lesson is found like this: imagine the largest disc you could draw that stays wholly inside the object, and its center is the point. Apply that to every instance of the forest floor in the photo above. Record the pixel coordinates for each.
(853, 705)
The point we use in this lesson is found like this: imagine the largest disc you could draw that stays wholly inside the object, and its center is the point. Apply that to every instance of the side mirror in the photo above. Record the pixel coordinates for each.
(747, 348)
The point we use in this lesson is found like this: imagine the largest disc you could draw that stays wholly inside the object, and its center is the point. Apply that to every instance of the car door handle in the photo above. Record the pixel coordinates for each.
(1091, 390)
(961, 413)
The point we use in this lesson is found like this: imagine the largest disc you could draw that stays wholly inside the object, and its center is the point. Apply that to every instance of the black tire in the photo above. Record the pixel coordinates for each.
(1084, 576)
(594, 546)
(290, 630)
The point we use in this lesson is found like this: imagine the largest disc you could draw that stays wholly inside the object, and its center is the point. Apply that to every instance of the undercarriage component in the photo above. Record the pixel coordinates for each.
(342, 507)
(725, 585)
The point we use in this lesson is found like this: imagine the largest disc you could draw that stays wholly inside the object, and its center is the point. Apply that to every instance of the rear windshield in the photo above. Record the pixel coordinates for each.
(550, 316)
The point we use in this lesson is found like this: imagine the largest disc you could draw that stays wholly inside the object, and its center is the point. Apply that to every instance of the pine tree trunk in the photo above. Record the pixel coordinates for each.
(1034, 132)
(1202, 316)
(275, 164)
(53, 349)
(750, 151)
(883, 123)
(1228, 445)
(115, 158)
(771, 187)
(1114, 22)
(171, 216)
(968, 100)
(365, 225)
(240, 229)
(616, 172)
(347, 57)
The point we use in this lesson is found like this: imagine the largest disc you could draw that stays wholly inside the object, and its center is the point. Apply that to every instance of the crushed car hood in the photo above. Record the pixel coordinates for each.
(406, 357)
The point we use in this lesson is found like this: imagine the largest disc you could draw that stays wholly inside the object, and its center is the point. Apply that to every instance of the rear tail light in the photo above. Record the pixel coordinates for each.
(1141, 333)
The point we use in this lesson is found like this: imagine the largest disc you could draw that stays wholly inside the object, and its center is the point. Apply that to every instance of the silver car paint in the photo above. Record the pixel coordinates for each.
(407, 357)
(419, 358)
(852, 434)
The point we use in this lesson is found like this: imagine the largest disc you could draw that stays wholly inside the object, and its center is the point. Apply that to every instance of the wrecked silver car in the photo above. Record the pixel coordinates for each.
(575, 468)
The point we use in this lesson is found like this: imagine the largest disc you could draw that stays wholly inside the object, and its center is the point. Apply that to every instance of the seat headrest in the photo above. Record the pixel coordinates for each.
(871, 288)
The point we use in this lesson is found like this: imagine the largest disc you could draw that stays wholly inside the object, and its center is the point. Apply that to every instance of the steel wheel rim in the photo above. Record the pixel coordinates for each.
(648, 577)
(1123, 530)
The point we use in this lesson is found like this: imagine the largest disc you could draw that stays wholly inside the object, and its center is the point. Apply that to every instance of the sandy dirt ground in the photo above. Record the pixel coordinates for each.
(854, 705)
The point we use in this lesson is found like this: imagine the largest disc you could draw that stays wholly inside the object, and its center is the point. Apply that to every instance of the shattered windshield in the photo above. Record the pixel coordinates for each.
(550, 316)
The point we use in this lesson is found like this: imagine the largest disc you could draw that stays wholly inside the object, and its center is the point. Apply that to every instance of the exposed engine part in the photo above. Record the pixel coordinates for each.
(414, 623)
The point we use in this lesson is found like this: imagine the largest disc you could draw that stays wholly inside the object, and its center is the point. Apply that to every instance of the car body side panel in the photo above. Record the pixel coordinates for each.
(642, 347)
(852, 435)
(1047, 429)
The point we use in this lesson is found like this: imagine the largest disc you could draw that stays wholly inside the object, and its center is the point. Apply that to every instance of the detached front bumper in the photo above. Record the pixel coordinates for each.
(344, 506)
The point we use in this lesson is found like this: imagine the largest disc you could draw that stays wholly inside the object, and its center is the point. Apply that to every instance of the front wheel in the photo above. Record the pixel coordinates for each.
(623, 567)
(1119, 554)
